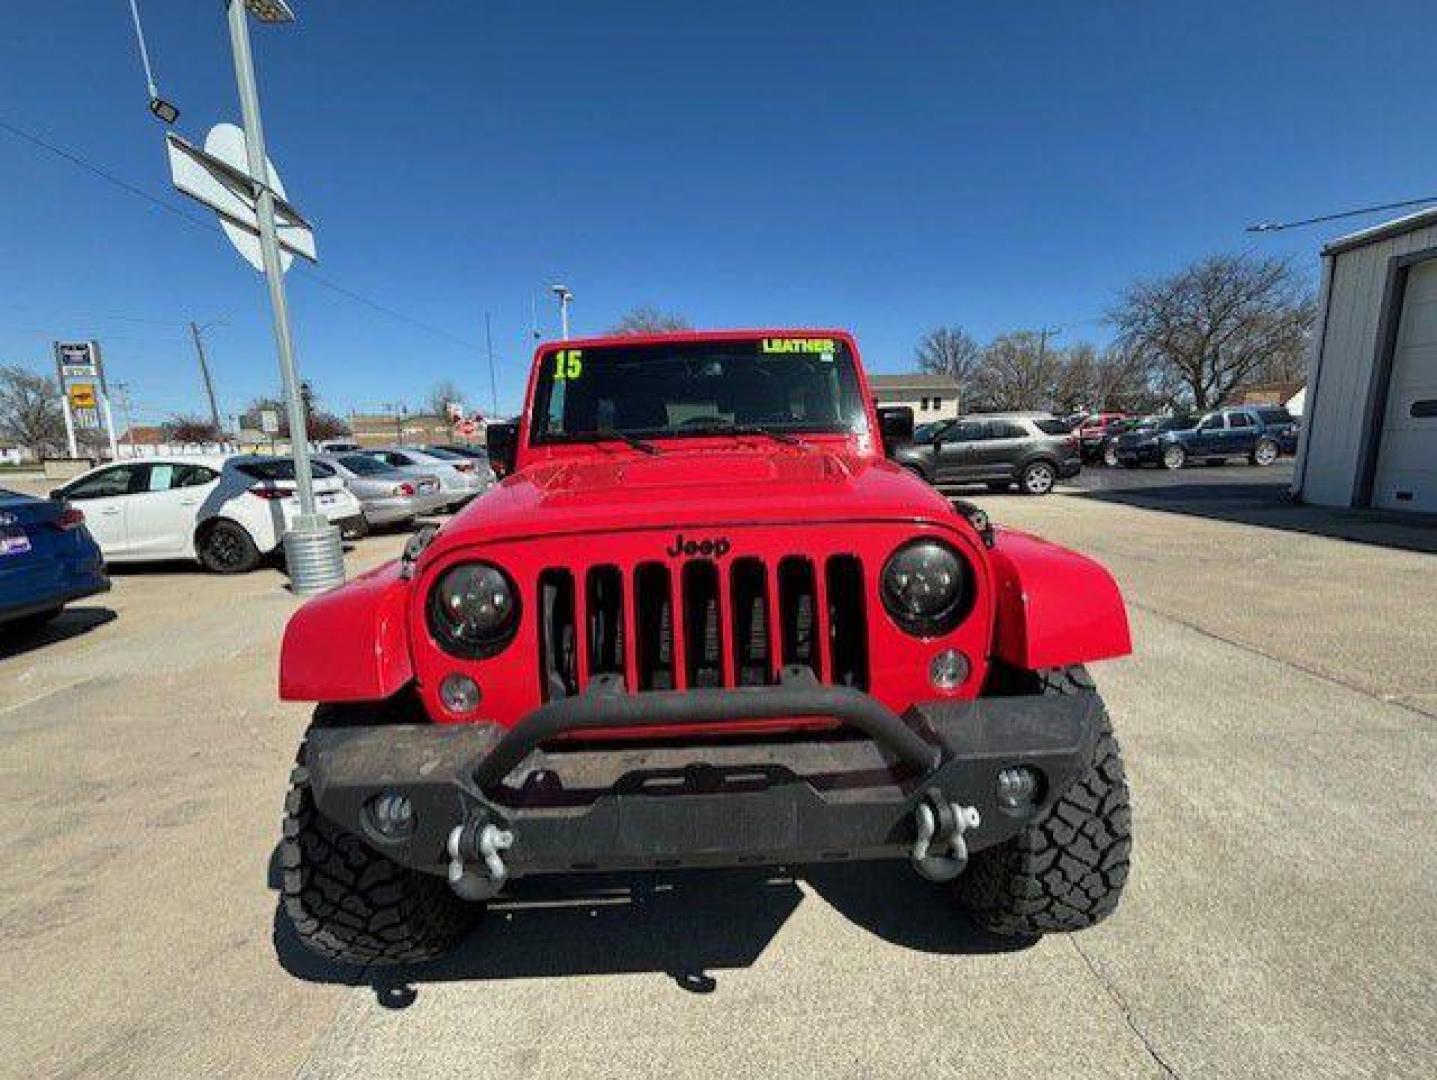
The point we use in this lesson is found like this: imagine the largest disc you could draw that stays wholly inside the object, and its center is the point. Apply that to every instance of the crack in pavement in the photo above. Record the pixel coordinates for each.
(1316, 673)
(1122, 1003)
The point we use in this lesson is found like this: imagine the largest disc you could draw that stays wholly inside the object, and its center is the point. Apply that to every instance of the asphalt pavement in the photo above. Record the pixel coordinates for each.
(1278, 721)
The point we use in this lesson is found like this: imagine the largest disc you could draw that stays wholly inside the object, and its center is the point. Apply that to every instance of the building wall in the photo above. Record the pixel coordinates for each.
(942, 404)
(1344, 362)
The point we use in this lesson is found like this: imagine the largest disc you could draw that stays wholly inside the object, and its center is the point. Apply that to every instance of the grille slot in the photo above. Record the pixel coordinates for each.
(705, 624)
(702, 645)
(752, 659)
(558, 645)
(654, 629)
(604, 609)
(848, 629)
(797, 613)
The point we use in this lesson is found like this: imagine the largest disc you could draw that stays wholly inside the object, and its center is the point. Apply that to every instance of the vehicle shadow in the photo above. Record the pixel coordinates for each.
(685, 925)
(71, 623)
(1268, 504)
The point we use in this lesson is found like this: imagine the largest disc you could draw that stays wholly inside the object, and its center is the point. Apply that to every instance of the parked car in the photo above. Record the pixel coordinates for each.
(386, 495)
(640, 658)
(1111, 454)
(1034, 451)
(229, 512)
(460, 479)
(1217, 437)
(474, 453)
(1281, 423)
(1093, 431)
(47, 559)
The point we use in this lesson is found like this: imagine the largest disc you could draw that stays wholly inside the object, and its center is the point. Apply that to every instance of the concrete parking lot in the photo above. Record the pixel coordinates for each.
(1279, 718)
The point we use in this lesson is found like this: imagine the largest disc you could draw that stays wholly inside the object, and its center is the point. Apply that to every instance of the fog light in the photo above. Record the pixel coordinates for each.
(459, 693)
(1018, 787)
(392, 815)
(948, 670)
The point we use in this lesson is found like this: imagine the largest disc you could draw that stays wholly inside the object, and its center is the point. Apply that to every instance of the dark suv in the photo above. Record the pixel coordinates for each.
(1257, 432)
(1002, 449)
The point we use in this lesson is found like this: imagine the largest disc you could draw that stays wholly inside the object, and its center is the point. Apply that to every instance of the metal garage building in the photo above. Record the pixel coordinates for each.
(1370, 431)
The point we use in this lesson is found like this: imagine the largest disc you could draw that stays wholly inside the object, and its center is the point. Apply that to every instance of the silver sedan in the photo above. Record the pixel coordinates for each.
(386, 494)
(459, 481)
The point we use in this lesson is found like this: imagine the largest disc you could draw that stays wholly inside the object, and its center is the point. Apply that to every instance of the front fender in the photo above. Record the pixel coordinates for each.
(1055, 607)
(350, 644)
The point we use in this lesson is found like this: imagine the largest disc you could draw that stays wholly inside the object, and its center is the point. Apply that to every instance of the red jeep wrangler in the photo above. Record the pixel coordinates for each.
(702, 622)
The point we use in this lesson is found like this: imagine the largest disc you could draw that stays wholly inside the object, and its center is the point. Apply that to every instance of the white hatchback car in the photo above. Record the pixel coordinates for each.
(228, 512)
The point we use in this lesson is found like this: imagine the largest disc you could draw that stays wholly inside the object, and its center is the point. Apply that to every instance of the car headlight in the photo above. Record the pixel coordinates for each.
(473, 610)
(926, 587)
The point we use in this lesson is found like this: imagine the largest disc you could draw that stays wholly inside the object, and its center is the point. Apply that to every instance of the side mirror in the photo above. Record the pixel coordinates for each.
(502, 441)
(895, 426)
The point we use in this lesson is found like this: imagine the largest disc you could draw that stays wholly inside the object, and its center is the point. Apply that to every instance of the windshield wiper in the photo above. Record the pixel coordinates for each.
(746, 429)
(622, 436)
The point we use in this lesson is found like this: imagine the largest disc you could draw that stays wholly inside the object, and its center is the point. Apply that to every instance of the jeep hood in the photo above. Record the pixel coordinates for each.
(692, 488)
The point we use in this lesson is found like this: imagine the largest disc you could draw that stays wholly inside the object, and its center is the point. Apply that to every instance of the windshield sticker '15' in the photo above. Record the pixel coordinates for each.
(823, 347)
(568, 363)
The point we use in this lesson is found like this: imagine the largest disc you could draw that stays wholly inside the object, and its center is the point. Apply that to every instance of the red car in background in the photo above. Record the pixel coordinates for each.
(1093, 430)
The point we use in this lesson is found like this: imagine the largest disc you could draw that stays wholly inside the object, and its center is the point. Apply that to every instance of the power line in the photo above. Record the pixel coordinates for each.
(208, 226)
(1278, 226)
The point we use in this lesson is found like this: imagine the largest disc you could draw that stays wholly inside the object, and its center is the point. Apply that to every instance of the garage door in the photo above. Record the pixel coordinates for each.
(1407, 460)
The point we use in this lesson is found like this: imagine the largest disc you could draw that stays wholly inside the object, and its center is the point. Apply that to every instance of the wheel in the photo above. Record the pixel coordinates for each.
(227, 548)
(1264, 453)
(349, 903)
(997, 486)
(355, 529)
(1110, 456)
(1066, 870)
(1174, 457)
(1038, 478)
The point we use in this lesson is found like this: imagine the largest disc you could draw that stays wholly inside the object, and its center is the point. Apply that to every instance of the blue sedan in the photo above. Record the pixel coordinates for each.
(47, 559)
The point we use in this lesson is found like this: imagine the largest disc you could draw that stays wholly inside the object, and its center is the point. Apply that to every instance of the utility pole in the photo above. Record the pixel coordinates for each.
(205, 374)
(565, 298)
(493, 380)
(123, 390)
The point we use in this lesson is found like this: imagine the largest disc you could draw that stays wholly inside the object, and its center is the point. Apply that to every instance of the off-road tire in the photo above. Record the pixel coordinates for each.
(1066, 870)
(225, 547)
(349, 903)
(1038, 478)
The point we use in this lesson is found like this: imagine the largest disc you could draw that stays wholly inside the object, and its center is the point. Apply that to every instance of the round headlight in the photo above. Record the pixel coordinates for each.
(925, 587)
(473, 610)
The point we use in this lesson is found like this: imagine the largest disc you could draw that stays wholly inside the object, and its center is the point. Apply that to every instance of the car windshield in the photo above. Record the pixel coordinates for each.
(444, 454)
(687, 388)
(363, 465)
(281, 469)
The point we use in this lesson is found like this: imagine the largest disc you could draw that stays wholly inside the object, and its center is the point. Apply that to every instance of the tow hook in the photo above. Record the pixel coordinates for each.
(942, 824)
(483, 879)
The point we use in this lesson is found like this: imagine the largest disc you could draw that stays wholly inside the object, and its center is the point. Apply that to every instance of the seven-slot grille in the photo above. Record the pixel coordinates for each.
(662, 626)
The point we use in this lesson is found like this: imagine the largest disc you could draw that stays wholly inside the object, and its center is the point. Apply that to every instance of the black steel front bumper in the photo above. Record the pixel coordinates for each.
(624, 804)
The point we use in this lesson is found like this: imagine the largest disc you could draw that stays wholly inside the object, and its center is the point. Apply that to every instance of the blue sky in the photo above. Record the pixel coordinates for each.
(878, 166)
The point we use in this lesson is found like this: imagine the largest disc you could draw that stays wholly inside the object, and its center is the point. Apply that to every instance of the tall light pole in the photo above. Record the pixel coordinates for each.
(197, 330)
(313, 552)
(565, 299)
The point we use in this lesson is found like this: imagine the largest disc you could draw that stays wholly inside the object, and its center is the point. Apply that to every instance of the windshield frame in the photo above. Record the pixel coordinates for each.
(854, 405)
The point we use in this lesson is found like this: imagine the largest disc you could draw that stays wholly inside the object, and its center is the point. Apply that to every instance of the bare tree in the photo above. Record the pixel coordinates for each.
(951, 351)
(1019, 370)
(1115, 378)
(30, 412)
(322, 425)
(190, 430)
(1216, 323)
(649, 320)
(442, 393)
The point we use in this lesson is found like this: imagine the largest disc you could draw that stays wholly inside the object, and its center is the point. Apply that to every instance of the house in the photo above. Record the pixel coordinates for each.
(1272, 393)
(1369, 436)
(930, 396)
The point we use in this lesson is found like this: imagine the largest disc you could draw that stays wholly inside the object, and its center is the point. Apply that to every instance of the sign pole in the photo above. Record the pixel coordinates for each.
(69, 424)
(312, 546)
(110, 427)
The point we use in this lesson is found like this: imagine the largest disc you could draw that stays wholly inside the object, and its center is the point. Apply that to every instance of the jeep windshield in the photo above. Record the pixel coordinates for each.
(774, 387)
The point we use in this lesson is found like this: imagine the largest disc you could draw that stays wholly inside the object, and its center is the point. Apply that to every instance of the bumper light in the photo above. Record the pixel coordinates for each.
(948, 670)
(460, 694)
(1018, 787)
